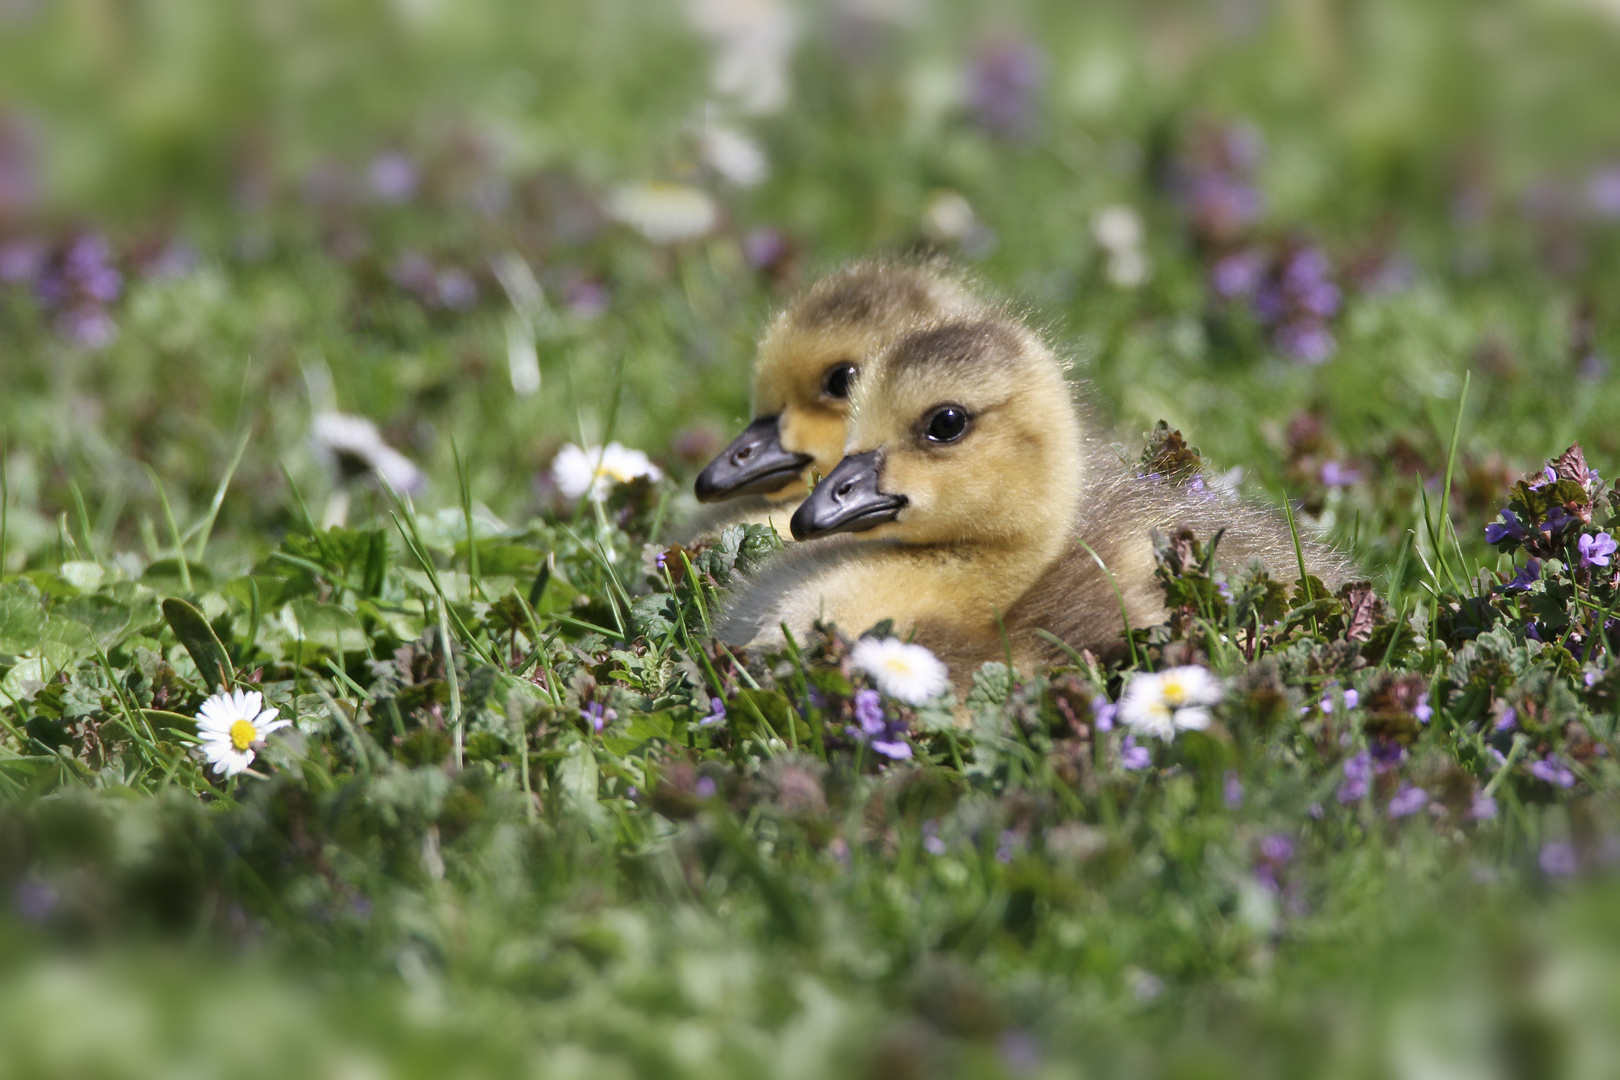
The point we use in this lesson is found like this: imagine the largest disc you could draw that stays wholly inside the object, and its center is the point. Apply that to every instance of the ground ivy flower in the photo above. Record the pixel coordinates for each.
(882, 734)
(1407, 800)
(1132, 756)
(1552, 771)
(1509, 528)
(1160, 703)
(717, 713)
(231, 725)
(1423, 710)
(1595, 550)
(1357, 776)
(596, 469)
(905, 671)
(1557, 860)
(1528, 575)
(597, 715)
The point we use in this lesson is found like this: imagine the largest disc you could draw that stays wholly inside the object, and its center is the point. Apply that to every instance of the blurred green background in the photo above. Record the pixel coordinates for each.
(1292, 229)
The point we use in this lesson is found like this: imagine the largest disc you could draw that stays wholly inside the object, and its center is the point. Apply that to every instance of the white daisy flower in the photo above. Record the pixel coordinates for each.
(948, 216)
(664, 213)
(597, 468)
(1118, 229)
(754, 42)
(352, 446)
(734, 156)
(1160, 703)
(908, 672)
(230, 725)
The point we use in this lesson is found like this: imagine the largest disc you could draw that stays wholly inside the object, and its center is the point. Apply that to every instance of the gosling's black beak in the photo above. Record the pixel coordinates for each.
(847, 500)
(753, 464)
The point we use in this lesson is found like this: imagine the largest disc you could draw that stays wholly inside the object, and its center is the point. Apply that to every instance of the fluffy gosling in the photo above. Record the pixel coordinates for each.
(807, 366)
(969, 478)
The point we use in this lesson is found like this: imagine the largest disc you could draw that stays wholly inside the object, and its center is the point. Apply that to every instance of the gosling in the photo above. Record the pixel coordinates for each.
(807, 365)
(970, 479)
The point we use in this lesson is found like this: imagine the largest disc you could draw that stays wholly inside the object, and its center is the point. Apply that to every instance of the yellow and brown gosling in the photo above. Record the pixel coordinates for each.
(970, 478)
(808, 362)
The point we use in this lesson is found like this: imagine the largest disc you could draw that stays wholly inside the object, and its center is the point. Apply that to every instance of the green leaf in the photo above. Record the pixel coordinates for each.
(192, 630)
(22, 617)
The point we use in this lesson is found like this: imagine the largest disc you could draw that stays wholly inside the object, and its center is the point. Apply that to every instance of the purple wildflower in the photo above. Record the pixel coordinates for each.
(393, 178)
(1019, 1051)
(894, 748)
(1423, 710)
(1509, 528)
(1134, 757)
(598, 716)
(1603, 192)
(886, 736)
(586, 299)
(1224, 205)
(1595, 550)
(717, 713)
(455, 289)
(764, 247)
(705, 787)
(35, 899)
(1528, 575)
(1003, 84)
(1357, 776)
(1408, 799)
(1103, 714)
(930, 838)
(869, 711)
(1232, 790)
(1277, 848)
(1557, 860)
(1336, 475)
(1238, 274)
(1483, 808)
(1509, 720)
(21, 260)
(1306, 342)
(1552, 771)
(1557, 520)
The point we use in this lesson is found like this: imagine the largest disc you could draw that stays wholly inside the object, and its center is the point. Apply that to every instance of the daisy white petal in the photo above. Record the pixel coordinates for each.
(905, 671)
(1194, 718)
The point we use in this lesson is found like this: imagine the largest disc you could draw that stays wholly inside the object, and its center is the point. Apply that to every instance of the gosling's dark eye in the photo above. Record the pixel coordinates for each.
(948, 424)
(838, 381)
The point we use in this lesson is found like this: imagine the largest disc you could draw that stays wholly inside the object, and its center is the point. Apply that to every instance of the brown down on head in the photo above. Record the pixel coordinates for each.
(808, 362)
(968, 480)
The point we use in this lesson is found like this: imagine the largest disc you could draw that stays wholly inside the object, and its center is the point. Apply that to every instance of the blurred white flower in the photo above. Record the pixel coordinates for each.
(948, 216)
(734, 156)
(596, 469)
(1117, 227)
(230, 725)
(353, 447)
(664, 213)
(1160, 703)
(754, 42)
(908, 672)
(1118, 230)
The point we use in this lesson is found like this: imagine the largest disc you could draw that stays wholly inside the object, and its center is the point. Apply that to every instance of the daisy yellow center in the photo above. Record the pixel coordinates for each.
(243, 734)
(1175, 693)
(897, 665)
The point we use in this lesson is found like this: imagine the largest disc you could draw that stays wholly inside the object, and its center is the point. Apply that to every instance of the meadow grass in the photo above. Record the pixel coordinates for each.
(528, 817)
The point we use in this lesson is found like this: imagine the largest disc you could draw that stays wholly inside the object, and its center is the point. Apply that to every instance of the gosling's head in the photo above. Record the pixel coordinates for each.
(809, 361)
(963, 432)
